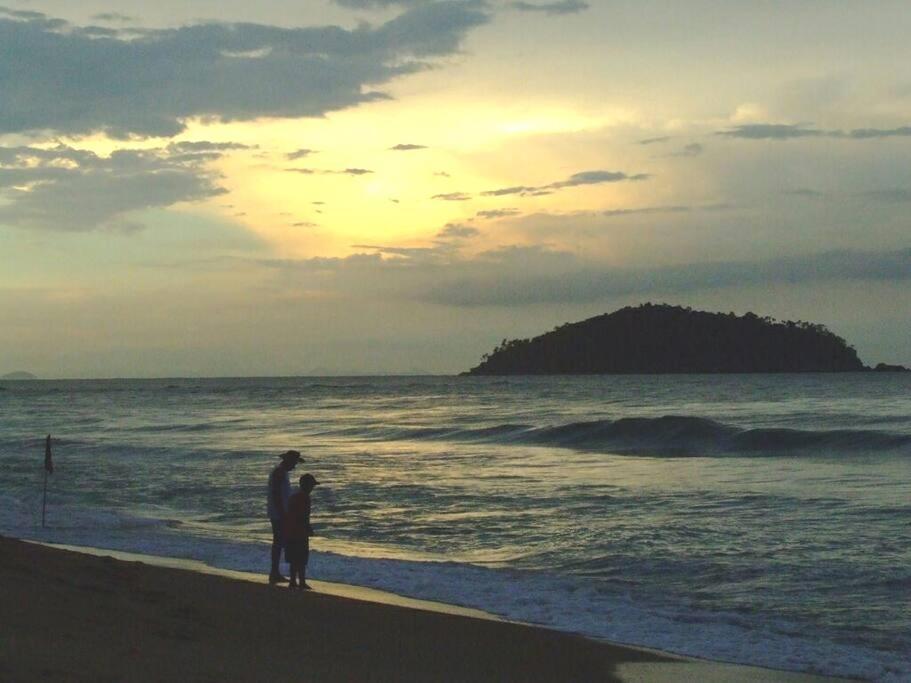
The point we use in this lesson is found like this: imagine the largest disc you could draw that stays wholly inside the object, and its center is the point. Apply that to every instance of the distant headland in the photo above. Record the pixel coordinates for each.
(658, 339)
(18, 375)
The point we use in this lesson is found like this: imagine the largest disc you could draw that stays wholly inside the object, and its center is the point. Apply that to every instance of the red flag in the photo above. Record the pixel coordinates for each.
(48, 463)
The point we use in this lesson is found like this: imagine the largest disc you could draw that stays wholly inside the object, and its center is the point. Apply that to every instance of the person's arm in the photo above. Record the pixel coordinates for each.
(278, 501)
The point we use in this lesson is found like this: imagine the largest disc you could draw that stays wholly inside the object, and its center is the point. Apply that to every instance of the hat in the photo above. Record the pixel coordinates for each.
(308, 478)
(294, 456)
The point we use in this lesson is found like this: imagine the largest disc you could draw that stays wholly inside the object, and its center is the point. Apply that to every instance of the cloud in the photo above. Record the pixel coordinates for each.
(654, 141)
(868, 133)
(805, 192)
(497, 213)
(531, 275)
(322, 171)
(406, 148)
(771, 131)
(457, 231)
(299, 154)
(575, 180)
(515, 189)
(781, 131)
(895, 195)
(524, 278)
(404, 252)
(68, 189)
(692, 150)
(114, 18)
(647, 210)
(552, 8)
(304, 224)
(377, 4)
(452, 196)
(149, 82)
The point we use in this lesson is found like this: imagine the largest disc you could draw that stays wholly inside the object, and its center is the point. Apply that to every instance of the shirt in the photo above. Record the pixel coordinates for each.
(297, 523)
(272, 509)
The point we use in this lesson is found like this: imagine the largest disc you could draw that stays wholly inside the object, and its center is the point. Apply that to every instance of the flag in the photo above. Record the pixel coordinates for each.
(48, 463)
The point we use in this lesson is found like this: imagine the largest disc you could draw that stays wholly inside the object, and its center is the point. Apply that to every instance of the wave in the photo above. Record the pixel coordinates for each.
(670, 435)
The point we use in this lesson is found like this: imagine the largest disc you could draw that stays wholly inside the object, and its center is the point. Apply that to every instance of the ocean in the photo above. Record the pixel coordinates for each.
(759, 519)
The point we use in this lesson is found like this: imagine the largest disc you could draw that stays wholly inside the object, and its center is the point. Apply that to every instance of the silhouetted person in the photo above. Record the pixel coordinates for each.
(298, 532)
(277, 495)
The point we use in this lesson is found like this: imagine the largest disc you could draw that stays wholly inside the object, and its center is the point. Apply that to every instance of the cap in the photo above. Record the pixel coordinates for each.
(308, 478)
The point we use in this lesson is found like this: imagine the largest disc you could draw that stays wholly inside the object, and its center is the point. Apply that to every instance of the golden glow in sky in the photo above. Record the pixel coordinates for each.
(259, 188)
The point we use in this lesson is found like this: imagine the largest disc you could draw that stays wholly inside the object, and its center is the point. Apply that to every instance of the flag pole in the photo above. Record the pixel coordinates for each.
(48, 469)
(44, 500)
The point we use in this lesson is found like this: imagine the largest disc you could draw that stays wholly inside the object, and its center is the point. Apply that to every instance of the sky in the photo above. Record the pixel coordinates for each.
(202, 188)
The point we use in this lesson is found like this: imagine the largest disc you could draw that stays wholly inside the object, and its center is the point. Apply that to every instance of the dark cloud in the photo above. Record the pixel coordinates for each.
(552, 8)
(515, 189)
(71, 79)
(67, 189)
(356, 171)
(867, 133)
(771, 131)
(453, 196)
(653, 141)
(780, 131)
(560, 278)
(407, 147)
(575, 180)
(299, 154)
(206, 146)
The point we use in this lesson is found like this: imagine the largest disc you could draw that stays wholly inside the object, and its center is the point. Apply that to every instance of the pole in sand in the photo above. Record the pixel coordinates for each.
(48, 469)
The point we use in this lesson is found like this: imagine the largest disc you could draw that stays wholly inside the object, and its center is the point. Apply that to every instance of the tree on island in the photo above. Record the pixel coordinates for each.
(658, 338)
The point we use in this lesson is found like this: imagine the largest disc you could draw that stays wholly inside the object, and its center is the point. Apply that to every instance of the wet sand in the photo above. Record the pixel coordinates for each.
(71, 616)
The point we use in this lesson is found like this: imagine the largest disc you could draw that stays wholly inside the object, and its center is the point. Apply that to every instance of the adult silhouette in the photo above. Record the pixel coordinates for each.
(277, 494)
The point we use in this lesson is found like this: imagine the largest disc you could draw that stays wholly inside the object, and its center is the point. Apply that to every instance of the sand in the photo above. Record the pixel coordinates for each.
(69, 616)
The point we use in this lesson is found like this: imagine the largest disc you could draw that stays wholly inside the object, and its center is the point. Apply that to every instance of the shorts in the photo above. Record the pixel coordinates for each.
(297, 551)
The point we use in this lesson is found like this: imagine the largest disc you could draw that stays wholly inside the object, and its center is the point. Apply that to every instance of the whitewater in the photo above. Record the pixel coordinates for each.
(758, 519)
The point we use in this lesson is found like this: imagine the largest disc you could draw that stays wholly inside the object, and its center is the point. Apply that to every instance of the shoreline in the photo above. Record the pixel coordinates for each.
(407, 638)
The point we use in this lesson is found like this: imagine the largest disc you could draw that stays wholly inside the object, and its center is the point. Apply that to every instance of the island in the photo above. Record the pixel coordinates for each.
(659, 338)
(885, 367)
(18, 375)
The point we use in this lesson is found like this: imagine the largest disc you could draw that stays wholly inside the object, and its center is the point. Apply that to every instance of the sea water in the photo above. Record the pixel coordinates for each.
(761, 519)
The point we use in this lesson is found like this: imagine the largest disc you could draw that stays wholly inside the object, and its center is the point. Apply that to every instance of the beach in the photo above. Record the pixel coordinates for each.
(70, 616)
(715, 518)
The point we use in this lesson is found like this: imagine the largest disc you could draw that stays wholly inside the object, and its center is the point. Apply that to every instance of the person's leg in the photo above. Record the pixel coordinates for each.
(295, 571)
(275, 574)
(304, 559)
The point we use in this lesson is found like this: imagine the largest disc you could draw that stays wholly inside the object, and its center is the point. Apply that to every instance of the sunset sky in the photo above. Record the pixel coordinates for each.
(270, 188)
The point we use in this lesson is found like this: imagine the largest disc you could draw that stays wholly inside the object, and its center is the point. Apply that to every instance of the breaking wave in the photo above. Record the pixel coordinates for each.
(670, 435)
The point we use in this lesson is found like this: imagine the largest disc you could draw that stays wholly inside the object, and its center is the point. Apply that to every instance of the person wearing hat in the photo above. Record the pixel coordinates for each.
(298, 532)
(277, 495)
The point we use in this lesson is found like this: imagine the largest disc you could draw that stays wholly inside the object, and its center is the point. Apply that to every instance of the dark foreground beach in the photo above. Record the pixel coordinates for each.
(69, 616)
